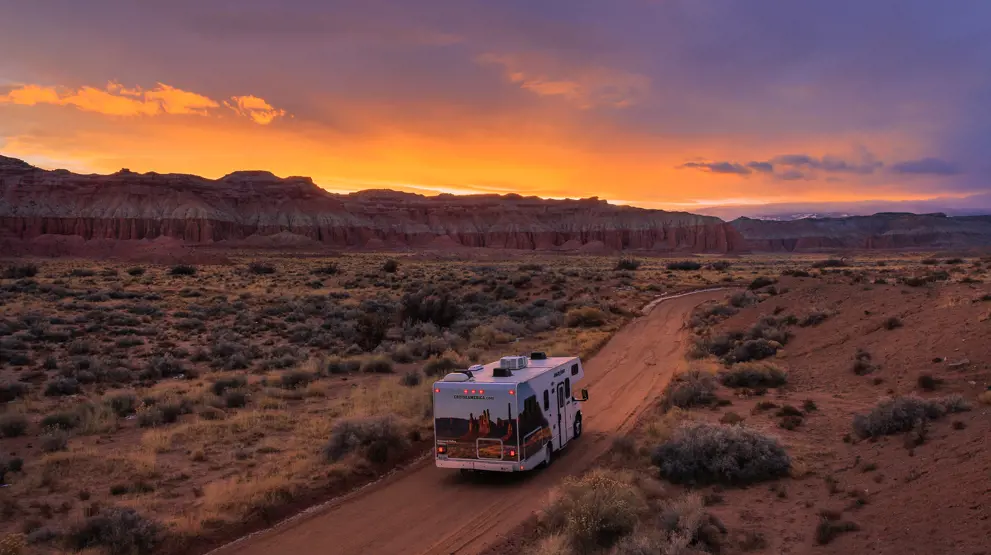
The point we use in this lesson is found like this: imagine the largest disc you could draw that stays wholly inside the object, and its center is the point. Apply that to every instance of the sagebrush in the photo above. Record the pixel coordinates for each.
(710, 453)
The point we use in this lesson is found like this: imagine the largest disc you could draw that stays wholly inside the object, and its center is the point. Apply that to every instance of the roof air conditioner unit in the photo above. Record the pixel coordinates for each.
(513, 363)
(456, 377)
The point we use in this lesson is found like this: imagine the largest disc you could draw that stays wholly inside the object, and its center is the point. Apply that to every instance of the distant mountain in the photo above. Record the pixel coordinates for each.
(878, 231)
(801, 216)
(251, 208)
(973, 205)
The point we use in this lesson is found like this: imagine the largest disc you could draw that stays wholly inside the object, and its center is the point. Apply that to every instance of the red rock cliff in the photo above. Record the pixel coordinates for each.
(128, 205)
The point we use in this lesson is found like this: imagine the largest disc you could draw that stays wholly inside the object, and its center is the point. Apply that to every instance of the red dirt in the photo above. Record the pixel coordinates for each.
(428, 510)
(932, 498)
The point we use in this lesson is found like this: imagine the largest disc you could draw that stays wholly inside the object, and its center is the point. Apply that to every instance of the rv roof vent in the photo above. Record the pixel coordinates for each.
(512, 363)
(501, 372)
(538, 355)
(456, 377)
(476, 368)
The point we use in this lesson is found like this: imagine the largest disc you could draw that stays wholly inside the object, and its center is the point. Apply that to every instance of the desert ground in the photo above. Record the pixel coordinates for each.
(838, 409)
(201, 400)
(172, 408)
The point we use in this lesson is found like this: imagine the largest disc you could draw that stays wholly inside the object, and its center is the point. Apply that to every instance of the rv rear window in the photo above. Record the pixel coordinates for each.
(574, 369)
(547, 400)
(567, 388)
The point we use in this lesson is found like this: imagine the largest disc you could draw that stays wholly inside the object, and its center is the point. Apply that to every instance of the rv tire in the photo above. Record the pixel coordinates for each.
(578, 426)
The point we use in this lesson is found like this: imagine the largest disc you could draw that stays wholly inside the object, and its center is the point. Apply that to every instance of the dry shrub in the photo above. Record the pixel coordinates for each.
(683, 527)
(984, 398)
(118, 530)
(862, 364)
(754, 374)
(122, 403)
(711, 453)
(903, 414)
(753, 349)
(441, 365)
(684, 266)
(13, 425)
(377, 365)
(237, 498)
(760, 283)
(261, 268)
(377, 439)
(585, 317)
(295, 379)
(411, 379)
(660, 428)
(693, 388)
(54, 439)
(892, 323)
(337, 365)
(829, 528)
(595, 510)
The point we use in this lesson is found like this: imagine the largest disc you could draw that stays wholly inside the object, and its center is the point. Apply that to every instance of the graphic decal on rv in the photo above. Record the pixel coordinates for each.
(534, 428)
(482, 435)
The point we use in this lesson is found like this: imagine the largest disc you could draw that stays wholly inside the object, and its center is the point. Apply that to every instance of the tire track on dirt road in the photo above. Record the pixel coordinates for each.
(426, 510)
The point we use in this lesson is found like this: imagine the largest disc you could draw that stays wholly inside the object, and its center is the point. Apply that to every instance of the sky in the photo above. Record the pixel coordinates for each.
(675, 104)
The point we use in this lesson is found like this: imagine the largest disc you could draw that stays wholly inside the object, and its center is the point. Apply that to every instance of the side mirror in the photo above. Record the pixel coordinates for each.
(584, 396)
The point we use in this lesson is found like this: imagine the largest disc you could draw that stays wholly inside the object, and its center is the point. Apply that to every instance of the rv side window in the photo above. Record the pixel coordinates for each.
(547, 400)
(574, 369)
(567, 389)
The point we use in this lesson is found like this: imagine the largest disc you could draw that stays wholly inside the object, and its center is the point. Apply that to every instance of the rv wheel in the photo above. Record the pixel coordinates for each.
(548, 456)
(578, 425)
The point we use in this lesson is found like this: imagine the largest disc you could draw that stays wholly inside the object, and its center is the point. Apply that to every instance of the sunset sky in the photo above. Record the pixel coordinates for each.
(659, 103)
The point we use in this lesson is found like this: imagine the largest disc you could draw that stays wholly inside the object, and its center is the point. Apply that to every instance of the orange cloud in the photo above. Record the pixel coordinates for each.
(584, 87)
(117, 100)
(258, 110)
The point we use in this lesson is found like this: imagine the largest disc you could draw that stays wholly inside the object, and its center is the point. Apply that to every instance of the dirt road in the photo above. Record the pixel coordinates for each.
(426, 510)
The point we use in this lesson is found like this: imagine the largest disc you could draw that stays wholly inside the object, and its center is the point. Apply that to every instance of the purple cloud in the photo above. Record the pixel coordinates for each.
(926, 166)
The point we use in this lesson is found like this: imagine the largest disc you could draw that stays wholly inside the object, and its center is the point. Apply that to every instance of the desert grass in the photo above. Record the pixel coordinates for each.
(233, 430)
(391, 397)
(55, 471)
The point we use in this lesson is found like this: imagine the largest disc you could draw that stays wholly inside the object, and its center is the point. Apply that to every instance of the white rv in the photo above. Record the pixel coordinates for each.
(511, 415)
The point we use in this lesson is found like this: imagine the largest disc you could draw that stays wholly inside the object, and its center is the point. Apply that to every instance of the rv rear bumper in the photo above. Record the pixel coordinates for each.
(488, 466)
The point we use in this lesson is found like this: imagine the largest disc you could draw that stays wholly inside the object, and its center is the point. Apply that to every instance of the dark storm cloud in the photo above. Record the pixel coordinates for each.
(793, 163)
(926, 166)
(830, 164)
(763, 167)
(791, 175)
(718, 167)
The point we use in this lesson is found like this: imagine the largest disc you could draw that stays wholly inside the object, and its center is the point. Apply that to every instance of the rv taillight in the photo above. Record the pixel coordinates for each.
(473, 391)
(512, 392)
(481, 392)
(441, 449)
(512, 452)
(466, 392)
(436, 390)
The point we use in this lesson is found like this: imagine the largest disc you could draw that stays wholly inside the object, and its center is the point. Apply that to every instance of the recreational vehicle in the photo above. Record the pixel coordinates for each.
(511, 415)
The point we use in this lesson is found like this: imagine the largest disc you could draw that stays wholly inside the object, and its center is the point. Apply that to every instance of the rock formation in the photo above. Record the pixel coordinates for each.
(880, 231)
(242, 205)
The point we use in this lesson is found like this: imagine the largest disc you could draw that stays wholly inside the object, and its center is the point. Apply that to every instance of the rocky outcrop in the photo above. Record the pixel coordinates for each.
(880, 231)
(132, 206)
